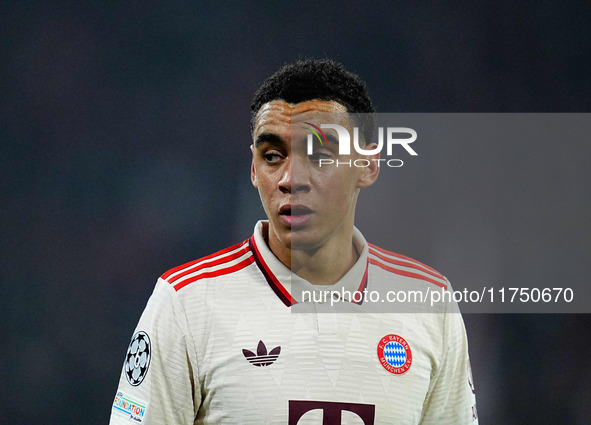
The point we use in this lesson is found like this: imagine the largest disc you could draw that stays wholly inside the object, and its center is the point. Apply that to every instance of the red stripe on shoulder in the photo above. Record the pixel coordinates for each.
(216, 261)
(193, 266)
(407, 263)
(404, 257)
(406, 273)
(227, 270)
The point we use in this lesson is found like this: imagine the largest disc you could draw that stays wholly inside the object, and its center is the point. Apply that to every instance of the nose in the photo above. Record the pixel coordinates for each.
(295, 177)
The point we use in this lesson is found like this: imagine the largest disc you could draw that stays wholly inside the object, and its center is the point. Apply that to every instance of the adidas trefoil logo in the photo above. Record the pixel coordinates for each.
(261, 358)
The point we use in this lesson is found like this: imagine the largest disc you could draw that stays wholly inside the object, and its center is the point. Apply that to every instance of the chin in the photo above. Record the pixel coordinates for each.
(303, 242)
(302, 238)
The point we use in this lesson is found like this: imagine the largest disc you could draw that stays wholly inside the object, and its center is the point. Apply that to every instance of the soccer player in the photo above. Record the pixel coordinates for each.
(221, 340)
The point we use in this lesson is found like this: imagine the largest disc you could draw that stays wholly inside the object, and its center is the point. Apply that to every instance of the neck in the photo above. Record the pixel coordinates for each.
(324, 265)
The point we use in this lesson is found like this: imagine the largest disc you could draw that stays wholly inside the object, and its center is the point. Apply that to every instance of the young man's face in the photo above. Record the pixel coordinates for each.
(307, 205)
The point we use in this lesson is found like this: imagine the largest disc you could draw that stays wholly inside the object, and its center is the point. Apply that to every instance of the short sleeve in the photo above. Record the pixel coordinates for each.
(451, 399)
(158, 383)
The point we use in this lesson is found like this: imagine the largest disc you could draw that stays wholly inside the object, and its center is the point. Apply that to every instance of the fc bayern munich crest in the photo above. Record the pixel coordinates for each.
(394, 354)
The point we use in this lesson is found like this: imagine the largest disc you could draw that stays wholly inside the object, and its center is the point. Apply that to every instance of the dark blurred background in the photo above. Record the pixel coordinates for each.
(124, 141)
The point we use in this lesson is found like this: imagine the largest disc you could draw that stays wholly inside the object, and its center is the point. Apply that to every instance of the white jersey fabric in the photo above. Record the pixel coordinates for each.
(221, 342)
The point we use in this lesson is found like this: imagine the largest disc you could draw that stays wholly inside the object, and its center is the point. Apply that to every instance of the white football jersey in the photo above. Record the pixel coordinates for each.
(230, 339)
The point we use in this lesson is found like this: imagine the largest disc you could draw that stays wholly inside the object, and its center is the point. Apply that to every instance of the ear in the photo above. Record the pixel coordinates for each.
(253, 173)
(370, 173)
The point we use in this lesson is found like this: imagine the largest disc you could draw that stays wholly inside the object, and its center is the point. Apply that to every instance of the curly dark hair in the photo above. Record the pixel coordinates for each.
(309, 79)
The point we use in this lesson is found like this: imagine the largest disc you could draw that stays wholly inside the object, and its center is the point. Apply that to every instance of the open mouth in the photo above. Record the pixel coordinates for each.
(295, 215)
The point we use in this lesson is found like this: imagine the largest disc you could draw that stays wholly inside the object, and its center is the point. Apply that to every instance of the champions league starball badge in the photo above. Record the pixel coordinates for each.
(137, 359)
(394, 354)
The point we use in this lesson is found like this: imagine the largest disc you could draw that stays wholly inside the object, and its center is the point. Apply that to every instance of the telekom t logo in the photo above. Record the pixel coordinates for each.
(331, 411)
(345, 139)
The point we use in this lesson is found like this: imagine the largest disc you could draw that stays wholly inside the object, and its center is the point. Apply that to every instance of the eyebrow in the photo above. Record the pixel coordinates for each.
(271, 138)
(274, 139)
(332, 139)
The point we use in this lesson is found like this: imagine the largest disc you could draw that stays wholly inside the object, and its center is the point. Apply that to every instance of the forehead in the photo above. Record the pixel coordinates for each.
(277, 116)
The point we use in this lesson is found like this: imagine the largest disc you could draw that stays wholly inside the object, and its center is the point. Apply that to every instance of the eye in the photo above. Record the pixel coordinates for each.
(318, 155)
(272, 157)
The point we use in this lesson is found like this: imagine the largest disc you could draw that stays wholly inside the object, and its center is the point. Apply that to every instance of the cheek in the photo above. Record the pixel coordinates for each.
(263, 182)
(339, 185)
(265, 188)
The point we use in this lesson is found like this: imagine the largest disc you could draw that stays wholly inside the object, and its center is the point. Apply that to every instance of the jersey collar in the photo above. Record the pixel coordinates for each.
(288, 286)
